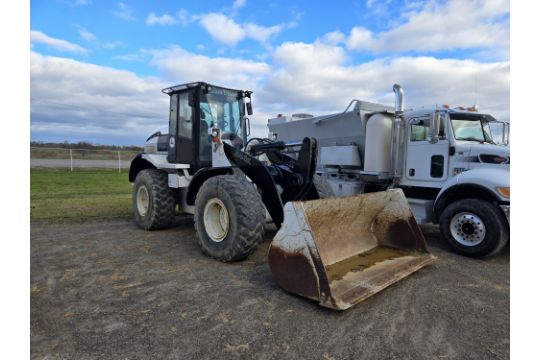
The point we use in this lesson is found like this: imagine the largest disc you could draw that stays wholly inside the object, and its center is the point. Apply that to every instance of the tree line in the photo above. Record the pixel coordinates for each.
(85, 145)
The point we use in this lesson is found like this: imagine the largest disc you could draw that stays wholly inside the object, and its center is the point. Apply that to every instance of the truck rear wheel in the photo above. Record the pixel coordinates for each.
(229, 217)
(474, 228)
(153, 200)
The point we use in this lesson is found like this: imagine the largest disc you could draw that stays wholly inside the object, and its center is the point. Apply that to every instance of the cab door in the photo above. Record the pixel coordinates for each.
(425, 161)
(181, 146)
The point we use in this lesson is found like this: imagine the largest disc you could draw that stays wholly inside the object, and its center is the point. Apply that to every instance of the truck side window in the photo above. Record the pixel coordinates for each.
(419, 131)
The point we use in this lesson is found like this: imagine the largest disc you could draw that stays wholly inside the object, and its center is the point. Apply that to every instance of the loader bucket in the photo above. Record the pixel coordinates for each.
(341, 251)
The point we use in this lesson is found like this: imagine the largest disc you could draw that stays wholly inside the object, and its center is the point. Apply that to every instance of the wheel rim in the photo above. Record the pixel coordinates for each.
(143, 200)
(216, 219)
(467, 229)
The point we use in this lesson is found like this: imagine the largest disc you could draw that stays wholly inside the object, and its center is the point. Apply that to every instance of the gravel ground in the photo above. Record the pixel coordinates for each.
(110, 290)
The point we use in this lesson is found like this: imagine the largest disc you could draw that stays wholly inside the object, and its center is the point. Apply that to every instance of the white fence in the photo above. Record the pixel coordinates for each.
(48, 157)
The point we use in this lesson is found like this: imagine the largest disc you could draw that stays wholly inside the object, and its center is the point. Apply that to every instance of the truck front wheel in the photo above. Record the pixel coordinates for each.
(474, 228)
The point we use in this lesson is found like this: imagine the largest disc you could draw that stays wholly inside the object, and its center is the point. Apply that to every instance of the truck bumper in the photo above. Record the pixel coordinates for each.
(506, 211)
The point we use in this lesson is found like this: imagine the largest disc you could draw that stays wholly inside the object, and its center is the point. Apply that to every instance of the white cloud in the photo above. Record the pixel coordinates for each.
(237, 4)
(58, 44)
(261, 33)
(222, 28)
(91, 38)
(112, 103)
(164, 19)
(87, 35)
(333, 38)
(185, 18)
(124, 11)
(317, 78)
(360, 38)
(178, 66)
(454, 24)
(227, 31)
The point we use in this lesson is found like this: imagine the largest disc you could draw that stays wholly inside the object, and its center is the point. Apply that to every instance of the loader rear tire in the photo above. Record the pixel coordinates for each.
(323, 187)
(229, 218)
(474, 228)
(153, 201)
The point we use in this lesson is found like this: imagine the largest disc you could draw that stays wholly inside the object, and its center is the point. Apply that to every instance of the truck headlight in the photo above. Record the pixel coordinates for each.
(504, 191)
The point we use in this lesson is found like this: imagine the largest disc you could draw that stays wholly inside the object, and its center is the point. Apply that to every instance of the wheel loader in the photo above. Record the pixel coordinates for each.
(337, 251)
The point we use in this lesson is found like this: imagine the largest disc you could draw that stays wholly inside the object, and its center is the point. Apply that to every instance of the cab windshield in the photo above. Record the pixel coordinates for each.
(471, 129)
(222, 108)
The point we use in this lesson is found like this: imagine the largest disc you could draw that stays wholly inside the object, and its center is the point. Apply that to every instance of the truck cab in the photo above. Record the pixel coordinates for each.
(464, 141)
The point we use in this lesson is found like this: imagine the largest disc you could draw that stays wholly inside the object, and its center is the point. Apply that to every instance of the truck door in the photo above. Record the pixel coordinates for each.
(181, 149)
(425, 161)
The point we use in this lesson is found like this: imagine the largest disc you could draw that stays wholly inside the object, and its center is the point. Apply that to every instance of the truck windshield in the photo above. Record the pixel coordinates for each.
(224, 108)
(471, 129)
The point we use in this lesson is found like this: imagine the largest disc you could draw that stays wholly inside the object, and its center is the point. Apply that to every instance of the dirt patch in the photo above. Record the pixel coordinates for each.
(110, 290)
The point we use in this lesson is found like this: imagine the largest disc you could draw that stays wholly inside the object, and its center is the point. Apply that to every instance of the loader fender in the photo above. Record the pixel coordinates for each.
(472, 184)
(137, 165)
(200, 177)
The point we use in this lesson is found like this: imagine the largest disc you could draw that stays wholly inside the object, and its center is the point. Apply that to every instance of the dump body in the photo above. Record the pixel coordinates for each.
(341, 251)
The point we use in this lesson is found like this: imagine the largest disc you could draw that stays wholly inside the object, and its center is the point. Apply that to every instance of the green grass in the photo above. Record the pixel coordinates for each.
(63, 195)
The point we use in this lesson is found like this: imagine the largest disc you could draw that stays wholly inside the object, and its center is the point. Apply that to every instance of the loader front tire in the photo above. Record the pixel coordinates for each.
(229, 217)
(153, 201)
(474, 228)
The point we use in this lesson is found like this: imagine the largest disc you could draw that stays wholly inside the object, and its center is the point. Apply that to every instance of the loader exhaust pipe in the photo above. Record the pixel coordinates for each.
(395, 166)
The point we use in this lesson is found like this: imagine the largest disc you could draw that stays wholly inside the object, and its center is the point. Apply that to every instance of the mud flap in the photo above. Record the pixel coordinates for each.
(341, 251)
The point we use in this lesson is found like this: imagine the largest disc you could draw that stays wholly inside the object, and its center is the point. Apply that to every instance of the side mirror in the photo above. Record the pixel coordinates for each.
(249, 108)
(191, 99)
(434, 127)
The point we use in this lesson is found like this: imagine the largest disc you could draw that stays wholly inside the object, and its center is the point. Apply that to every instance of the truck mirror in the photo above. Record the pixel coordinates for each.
(191, 100)
(249, 108)
(434, 127)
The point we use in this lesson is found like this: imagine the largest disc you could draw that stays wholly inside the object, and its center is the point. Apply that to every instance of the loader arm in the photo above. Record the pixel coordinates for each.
(295, 176)
(259, 174)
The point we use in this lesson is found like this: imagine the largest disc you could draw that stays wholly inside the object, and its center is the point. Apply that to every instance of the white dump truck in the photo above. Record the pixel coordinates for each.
(445, 161)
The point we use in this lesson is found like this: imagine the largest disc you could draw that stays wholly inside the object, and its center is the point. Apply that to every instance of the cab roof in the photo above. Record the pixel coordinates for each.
(177, 88)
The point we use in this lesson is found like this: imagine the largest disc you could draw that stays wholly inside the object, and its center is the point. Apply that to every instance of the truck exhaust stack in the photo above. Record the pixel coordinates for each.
(341, 251)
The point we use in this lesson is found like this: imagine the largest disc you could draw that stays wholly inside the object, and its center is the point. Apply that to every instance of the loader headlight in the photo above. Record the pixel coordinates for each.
(504, 191)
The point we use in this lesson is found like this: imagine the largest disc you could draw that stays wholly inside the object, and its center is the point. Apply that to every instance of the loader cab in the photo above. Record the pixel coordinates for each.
(199, 111)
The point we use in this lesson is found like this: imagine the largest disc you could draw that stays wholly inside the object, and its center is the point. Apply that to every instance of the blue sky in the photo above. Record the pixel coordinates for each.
(97, 67)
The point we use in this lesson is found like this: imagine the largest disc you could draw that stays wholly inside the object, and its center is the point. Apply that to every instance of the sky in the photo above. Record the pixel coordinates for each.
(97, 67)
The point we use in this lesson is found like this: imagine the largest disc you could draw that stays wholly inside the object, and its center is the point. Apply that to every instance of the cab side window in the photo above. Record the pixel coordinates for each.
(419, 130)
(184, 116)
